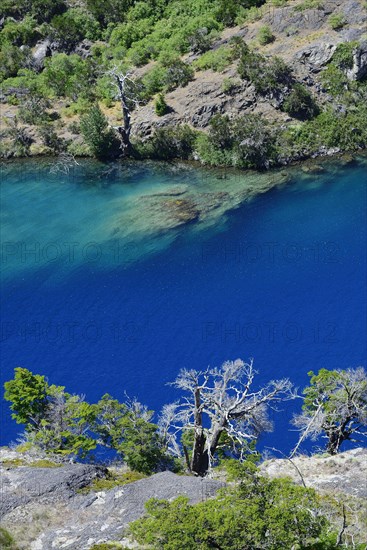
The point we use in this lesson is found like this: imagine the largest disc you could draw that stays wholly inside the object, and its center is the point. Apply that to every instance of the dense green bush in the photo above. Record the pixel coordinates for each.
(34, 110)
(160, 105)
(343, 55)
(73, 26)
(347, 131)
(265, 35)
(334, 80)
(109, 11)
(217, 60)
(254, 514)
(20, 33)
(337, 21)
(300, 103)
(68, 75)
(168, 143)
(42, 10)
(12, 59)
(269, 76)
(51, 140)
(99, 137)
(245, 142)
(178, 73)
(200, 41)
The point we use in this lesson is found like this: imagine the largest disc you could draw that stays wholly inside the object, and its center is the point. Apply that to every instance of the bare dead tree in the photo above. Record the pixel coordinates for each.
(220, 404)
(125, 85)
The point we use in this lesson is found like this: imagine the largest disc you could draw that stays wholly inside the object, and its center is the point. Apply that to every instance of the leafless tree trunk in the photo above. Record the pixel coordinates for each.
(123, 81)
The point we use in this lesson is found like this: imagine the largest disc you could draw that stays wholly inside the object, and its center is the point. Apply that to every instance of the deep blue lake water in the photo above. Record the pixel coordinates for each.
(98, 295)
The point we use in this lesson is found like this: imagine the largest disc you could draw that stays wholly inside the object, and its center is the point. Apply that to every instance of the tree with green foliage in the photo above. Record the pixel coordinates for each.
(68, 76)
(254, 514)
(220, 404)
(109, 11)
(29, 396)
(97, 134)
(55, 421)
(41, 10)
(72, 27)
(335, 407)
(127, 428)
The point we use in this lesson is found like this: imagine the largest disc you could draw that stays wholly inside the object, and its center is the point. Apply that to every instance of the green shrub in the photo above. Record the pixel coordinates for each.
(309, 5)
(265, 35)
(68, 76)
(300, 103)
(21, 139)
(343, 55)
(34, 110)
(126, 34)
(42, 10)
(269, 76)
(217, 60)
(20, 33)
(347, 131)
(99, 137)
(168, 143)
(153, 81)
(255, 514)
(334, 80)
(245, 142)
(51, 140)
(6, 540)
(337, 21)
(12, 59)
(229, 11)
(229, 85)
(178, 74)
(200, 41)
(73, 26)
(160, 105)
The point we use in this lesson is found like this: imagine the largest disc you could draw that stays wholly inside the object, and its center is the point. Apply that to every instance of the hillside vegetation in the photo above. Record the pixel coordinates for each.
(242, 83)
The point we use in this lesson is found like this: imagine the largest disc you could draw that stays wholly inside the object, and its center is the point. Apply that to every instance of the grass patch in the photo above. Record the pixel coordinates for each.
(112, 480)
(42, 463)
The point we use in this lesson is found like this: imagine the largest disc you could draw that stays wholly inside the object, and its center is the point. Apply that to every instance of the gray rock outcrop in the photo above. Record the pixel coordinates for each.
(25, 484)
(359, 69)
(316, 55)
(42, 50)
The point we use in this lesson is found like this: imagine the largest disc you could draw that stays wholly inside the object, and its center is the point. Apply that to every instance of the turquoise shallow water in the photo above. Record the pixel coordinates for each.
(106, 289)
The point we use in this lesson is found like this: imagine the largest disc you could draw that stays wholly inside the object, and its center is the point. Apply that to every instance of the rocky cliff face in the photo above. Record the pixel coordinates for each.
(45, 510)
(303, 39)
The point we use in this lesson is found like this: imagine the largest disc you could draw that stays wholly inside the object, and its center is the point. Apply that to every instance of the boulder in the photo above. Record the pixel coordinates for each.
(25, 484)
(316, 55)
(42, 50)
